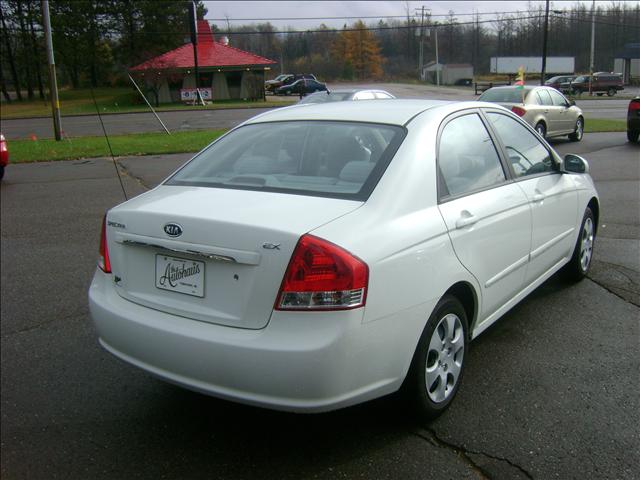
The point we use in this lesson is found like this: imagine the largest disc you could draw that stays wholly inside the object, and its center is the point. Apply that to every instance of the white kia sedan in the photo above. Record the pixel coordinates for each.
(317, 257)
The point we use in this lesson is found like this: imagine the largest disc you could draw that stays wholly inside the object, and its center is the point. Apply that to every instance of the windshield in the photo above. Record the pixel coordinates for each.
(319, 158)
(281, 77)
(324, 97)
(502, 95)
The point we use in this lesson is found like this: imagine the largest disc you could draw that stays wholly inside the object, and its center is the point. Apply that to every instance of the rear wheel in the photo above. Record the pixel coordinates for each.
(438, 363)
(1, 171)
(578, 266)
(578, 132)
(541, 129)
(611, 92)
(632, 135)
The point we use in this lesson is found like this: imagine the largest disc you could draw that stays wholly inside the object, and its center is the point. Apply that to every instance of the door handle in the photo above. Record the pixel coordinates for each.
(538, 197)
(466, 219)
(546, 111)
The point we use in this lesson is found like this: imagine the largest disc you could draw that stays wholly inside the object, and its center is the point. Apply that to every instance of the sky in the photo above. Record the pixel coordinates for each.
(263, 11)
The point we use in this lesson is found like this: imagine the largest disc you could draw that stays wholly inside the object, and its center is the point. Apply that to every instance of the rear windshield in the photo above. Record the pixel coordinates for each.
(324, 97)
(502, 95)
(318, 158)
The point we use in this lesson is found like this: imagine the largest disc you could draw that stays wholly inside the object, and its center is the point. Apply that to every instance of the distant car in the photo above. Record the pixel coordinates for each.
(561, 82)
(345, 95)
(303, 86)
(633, 120)
(601, 82)
(271, 85)
(544, 108)
(286, 79)
(4, 155)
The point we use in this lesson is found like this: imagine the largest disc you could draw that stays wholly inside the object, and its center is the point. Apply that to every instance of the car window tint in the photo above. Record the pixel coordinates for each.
(545, 98)
(467, 157)
(321, 158)
(502, 95)
(558, 99)
(527, 154)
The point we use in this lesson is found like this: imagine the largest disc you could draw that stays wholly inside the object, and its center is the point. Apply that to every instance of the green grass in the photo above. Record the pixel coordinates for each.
(23, 151)
(117, 100)
(604, 125)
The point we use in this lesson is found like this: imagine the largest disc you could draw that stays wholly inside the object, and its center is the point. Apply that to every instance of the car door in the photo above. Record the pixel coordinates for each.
(550, 111)
(552, 195)
(566, 117)
(487, 216)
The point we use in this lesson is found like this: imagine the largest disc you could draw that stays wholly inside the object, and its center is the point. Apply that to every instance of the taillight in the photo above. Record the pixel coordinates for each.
(518, 111)
(633, 106)
(103, 261)
(322, 276)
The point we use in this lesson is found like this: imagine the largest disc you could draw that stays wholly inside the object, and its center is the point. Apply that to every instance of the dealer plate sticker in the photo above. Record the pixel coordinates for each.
(180, 275)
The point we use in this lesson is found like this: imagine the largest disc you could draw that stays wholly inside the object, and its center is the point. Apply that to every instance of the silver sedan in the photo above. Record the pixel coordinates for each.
(544, 108)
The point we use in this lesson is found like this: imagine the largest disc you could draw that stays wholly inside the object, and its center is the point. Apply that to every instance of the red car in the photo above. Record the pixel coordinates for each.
(4, 155)
(633, 120)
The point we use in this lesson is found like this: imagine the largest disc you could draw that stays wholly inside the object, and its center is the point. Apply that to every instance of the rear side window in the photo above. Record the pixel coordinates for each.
(467, 158)
(543, 97)
(319, 158)
(527, 154)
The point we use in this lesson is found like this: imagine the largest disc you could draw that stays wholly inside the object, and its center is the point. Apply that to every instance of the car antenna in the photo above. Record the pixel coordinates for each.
(113, 158)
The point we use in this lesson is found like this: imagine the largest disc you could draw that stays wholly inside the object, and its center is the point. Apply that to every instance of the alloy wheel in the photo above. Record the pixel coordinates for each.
(586, 244)
(444, 358)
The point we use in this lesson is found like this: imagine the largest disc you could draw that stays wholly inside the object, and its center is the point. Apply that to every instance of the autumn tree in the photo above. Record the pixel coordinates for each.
(358, 51)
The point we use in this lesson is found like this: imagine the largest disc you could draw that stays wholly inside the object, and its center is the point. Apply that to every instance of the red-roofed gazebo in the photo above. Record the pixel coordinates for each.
(225, 72)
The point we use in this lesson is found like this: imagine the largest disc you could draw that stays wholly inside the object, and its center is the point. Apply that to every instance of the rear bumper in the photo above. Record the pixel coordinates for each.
(302, 361)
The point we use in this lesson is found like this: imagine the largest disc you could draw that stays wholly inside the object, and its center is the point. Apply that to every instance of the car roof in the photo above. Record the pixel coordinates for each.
(394, 112)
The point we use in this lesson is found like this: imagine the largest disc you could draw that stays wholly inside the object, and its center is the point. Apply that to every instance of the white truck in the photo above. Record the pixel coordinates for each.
(510, 65)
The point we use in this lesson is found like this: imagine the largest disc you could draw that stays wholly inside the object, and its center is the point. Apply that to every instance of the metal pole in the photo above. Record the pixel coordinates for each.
(145, 99)
(544, 42)
(53, 85)
(437, 60)
(593, 44)
(194, 41)
(421, 59)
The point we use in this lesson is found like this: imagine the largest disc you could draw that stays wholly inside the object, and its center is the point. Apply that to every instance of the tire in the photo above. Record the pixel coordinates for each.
(1, 171)
(438, 364)
(578, 133)
(611, 92)
(632, 136)
(578, 266)
(541, 129)
(600, 94)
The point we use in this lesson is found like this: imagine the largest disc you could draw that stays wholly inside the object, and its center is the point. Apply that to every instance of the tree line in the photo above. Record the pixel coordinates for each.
(96, 41)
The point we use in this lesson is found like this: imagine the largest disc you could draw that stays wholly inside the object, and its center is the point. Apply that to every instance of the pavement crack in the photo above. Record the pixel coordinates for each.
(44, 324)
(128, 173)
(613, 292)
(433, 438)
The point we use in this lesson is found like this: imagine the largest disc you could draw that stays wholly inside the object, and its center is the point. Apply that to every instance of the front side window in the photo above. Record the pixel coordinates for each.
(527, 155)
(318, 158)
(467, 157)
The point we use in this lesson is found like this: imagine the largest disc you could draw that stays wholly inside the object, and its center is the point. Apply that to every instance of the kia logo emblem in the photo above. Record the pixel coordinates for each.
(173, 229)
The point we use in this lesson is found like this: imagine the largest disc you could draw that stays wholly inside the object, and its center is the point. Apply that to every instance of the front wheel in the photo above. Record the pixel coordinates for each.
(578, 132)
(611, 92)
(578, 266)
(438, 362)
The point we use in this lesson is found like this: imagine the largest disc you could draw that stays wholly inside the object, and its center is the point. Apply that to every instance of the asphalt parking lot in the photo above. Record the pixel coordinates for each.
(551, 391)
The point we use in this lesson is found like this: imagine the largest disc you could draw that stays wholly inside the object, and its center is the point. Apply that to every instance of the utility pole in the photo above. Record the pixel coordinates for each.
(544, 42)
(53, 86)
(437, 60)
(593, 44)
(194, 41)
(421, 55)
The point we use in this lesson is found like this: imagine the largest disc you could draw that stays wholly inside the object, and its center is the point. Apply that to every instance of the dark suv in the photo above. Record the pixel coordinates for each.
(601, 82)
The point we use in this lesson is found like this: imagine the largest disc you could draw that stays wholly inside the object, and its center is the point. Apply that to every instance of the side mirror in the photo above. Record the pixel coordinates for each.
(575, 164)
(572, 102)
